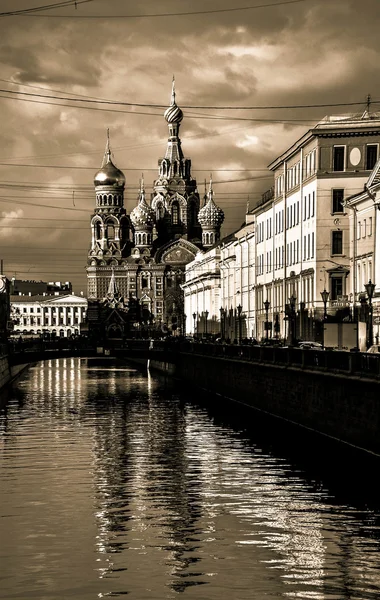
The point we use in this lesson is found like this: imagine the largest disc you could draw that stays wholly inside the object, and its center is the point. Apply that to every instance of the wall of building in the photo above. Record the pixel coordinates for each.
(346, 408)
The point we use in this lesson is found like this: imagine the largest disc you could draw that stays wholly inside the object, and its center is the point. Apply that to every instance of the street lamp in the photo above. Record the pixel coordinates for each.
(266, 306)
(370, 288)
(325, 296)
(184, 324)
(239, 309)
(221, 310)
(195, 319)
(206, 317)
(292, 302)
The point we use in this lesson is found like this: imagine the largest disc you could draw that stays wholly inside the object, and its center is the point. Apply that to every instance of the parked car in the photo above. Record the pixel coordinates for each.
(375, 349)
(310, 346)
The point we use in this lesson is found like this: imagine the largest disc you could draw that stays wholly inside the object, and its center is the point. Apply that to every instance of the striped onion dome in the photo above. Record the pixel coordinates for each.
(173, 114)
(142, 215)
(210, 216)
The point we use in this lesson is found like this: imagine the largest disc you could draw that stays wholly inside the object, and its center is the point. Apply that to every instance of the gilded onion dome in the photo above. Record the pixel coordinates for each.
(109, 174)
(210, 216)
(173, 114)
(142, 216)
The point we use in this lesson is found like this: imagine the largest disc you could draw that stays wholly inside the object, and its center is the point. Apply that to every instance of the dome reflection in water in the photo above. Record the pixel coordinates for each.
(114, 482)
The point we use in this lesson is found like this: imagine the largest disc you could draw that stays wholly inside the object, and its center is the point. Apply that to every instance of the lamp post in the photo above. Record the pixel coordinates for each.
(184, 324)
(370, 288)
(292, 302)
(221, 310)
(195, 319)
(206, 317)
(266, 306)
(239, 309)
(325, 296)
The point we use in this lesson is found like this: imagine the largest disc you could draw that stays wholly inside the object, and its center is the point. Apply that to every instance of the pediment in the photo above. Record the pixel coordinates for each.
(180, 252)
(65, 300)
(374, 178)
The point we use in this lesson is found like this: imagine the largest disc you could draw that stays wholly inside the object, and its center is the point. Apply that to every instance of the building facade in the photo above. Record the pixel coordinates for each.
(290, 265)
(148, 249)
(302, 231)
(363, 210)
(59, 316)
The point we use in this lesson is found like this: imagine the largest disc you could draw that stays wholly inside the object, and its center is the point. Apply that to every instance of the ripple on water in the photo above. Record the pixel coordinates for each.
(114, 483)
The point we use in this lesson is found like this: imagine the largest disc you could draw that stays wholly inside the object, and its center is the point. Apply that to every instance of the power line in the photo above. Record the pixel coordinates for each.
(150, 105)
(139, 169)
(27, 11)
(158, 15)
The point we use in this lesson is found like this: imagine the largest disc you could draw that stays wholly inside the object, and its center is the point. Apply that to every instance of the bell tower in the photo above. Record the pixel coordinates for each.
(110, 227)
(175, 200)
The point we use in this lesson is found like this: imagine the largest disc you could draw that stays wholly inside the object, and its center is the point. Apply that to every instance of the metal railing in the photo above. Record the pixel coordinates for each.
(334, 361)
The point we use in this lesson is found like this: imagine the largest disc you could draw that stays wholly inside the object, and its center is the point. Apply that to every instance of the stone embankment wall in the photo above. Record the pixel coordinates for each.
(340, 406)
(5, 374)
(9, 373)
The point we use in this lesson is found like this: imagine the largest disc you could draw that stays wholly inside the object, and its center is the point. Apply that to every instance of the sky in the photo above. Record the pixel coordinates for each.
(249, 55)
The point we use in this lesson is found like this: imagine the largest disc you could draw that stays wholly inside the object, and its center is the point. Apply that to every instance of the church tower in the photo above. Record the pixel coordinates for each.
(142, 219)
(175, 200)
(211, 218)
(110, 228)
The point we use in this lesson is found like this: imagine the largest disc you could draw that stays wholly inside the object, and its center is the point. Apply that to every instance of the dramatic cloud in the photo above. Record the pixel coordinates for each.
(306, 53)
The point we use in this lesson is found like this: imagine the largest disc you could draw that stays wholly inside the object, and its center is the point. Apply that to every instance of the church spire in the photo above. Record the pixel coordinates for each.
(113, 291)
(107, 154)
(173, 91)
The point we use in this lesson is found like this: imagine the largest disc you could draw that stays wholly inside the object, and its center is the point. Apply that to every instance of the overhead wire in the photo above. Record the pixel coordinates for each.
(161, 106)
(27, 11)
(167, 14)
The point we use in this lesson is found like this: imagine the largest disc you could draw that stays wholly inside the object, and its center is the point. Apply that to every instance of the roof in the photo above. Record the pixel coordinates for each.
(39, 299)
(331, 126)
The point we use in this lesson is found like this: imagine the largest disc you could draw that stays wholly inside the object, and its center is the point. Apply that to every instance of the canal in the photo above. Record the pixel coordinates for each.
(118, 483)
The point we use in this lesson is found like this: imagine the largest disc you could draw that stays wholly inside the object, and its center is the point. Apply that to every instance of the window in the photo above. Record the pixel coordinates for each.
(110, 231)
(337, 200)
(338, 164)
(175, 213)
(337, 242)
(336, 287)
(98, 230)
(370, 226)
(358, 230)
(365, 228)
(371, 156)
(144, 282)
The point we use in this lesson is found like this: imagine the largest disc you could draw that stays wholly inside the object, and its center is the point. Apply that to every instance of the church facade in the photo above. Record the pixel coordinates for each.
(145, 252)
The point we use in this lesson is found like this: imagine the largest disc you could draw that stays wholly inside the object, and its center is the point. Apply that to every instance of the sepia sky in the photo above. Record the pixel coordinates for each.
(305, 52)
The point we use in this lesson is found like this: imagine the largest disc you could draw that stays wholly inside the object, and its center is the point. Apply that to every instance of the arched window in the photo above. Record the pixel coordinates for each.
(175, 213)
(159, 211)
(110, 231)
(98, 230)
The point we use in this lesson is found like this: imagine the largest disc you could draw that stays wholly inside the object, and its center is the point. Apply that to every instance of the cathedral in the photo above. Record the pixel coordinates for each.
(136, 261)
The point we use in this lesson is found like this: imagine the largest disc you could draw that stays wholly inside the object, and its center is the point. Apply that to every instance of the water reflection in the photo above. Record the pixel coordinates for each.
(113, 482)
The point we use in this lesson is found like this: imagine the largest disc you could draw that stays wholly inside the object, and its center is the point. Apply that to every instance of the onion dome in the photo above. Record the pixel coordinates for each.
(142, 216)
(210, 216)
(173, 114)
(109, 174)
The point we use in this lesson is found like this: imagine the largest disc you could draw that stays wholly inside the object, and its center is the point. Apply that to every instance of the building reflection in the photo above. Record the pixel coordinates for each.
(177, 500)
